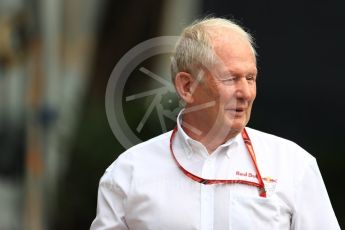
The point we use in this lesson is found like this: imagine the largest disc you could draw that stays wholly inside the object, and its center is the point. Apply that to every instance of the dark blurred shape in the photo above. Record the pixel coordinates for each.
(12, 148)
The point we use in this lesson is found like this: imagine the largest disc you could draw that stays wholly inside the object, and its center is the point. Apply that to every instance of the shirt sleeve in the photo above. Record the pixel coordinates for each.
(313, 209)
(111, 199)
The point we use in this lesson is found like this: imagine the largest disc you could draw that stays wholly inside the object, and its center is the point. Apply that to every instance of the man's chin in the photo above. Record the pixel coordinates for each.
(236, 123)
(236, 127)
(231, 129)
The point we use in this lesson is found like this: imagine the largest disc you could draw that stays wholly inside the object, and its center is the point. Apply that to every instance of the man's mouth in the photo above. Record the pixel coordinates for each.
(237, 111)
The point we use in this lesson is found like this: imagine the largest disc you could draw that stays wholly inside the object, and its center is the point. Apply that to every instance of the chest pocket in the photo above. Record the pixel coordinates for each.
(249, 212)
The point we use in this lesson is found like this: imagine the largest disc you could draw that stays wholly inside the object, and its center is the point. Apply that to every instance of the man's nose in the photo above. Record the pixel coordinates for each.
(244, 89)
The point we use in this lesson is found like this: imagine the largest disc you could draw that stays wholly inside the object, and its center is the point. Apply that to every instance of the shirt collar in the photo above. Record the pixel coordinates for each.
(188, 141)
(234, 141)
(185, 139)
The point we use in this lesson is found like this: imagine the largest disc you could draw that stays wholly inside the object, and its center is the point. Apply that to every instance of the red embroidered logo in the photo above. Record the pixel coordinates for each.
(270, 183)
(246, 174)
(253, 175)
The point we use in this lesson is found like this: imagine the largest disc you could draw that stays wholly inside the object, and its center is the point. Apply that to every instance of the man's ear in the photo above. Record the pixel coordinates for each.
(183, 83)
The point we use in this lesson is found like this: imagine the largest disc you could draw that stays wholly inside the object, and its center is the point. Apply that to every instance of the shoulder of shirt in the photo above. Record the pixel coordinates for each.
(147, 147)
(281, 142)
(120, 172)
(160, 140)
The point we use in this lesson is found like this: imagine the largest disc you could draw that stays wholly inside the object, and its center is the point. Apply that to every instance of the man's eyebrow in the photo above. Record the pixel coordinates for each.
(234, 74)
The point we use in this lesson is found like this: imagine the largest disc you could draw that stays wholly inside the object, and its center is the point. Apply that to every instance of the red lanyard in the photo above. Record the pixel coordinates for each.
(250, 149)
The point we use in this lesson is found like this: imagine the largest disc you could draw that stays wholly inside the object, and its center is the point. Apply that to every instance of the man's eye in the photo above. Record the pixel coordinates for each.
(229, 79)
(251, 78)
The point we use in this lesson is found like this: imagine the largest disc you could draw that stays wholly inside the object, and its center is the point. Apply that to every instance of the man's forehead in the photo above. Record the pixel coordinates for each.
(223, 70)
(235, 59)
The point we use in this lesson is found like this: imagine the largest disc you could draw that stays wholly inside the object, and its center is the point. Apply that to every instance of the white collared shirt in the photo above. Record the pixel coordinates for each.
(144, 188)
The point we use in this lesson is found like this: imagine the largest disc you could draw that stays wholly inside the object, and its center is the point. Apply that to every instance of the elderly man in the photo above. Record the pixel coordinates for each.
(212, 172)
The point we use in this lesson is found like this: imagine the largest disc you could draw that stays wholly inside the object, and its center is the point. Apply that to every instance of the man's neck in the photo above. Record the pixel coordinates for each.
(210, 137)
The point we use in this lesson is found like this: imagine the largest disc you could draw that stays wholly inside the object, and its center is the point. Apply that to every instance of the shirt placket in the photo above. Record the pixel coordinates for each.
(207, 195)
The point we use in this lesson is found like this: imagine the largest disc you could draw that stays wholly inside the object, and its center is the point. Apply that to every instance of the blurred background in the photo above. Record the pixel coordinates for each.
(56, 57)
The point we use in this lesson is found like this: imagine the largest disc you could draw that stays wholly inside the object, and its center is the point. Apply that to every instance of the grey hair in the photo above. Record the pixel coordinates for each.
(194, 48)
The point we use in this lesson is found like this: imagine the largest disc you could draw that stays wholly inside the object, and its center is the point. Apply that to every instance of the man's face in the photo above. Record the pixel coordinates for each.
(231, 85)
